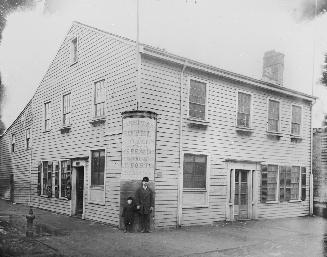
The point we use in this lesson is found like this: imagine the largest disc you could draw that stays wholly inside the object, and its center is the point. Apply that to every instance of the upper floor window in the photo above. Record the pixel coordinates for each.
(197, 100)
(13, 142)
(47, 116)
(74, 50)
(244, 110)
(296, 120)
(66, 109)
(99, 98)
(194, 171)
(97, 167)
(28, 138)
(273, 116)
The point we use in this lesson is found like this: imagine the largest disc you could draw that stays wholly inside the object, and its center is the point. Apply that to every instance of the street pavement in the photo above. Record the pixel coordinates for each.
(60, 235)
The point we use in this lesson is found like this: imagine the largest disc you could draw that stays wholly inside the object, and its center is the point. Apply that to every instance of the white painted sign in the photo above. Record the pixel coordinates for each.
(138, 148)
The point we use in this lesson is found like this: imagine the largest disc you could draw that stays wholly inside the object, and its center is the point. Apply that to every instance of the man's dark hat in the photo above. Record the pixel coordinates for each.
(130, 198)
(145, 179)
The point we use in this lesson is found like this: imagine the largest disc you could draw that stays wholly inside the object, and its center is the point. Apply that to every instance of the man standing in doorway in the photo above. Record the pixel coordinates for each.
(144, 203)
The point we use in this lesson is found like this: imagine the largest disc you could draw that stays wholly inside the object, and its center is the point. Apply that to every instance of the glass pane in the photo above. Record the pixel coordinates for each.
(197, 92)
(197, 111)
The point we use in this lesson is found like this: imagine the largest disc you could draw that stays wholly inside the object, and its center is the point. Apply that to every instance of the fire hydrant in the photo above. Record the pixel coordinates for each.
(29, 219)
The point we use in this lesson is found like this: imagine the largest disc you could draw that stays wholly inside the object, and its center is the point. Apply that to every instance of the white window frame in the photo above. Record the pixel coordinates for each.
(251, 108)
(279, 118)
(63, 108)
(94, 99)
(205, 191)
(206, 100)
(91, 188)
(73, 58)
(28, 139)
(46, 116)
(301, 124)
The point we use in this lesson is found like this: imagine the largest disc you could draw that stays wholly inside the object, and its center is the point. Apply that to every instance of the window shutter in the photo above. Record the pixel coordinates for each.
(39, 170)
(264, 183)
(303, 183)
(56, 181)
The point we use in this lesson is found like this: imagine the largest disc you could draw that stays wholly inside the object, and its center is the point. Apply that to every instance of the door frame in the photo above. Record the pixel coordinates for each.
(252, 176)
(78, 163)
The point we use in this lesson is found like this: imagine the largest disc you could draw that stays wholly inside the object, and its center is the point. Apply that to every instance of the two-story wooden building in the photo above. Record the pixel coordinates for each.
(221, 146)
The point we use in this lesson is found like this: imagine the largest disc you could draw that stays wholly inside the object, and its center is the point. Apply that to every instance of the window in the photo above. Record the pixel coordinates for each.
(13, 142)
(244, 109)
(97, 169)
(285, 175)
(47, 178)
(194, 171)
(273, 116)
(74, 50)
(65, 179)
(296, 120)
(99, 98)
(292, 183)
(66, 110)
(268, 182)
(197, 100)
(47, 114)
(28, 138)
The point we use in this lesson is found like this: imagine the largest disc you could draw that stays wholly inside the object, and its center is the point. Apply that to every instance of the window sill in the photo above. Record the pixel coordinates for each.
(295, 201)
(98, 120)
(193, 122)
(244, 129)
(275, 134)
(272, 202)
(46, 131)
(296, 137)
(63, 198)
(96, 187)
(65, 129)
(45, 196)
(97, 203)
(194, 190)
(195, 206)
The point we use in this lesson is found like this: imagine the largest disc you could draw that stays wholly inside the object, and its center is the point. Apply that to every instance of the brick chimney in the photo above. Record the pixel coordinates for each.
(273, 67)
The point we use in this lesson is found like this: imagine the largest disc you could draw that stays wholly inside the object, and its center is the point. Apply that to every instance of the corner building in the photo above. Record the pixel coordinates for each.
(220, 145)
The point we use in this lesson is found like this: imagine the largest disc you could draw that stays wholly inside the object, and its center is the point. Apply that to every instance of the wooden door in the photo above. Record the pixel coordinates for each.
(241, 206)
(79, 190)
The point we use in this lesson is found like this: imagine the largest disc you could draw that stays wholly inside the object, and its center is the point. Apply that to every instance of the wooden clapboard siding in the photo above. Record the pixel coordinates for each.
(320, 171)
(160, 84)
(16, 163)
(100, 56)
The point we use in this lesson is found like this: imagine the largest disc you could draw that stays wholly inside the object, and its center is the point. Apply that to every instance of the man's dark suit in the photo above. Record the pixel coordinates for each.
(144, 198)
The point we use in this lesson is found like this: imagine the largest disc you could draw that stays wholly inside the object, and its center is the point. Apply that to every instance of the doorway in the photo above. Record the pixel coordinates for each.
(79, 191)
(241, 197)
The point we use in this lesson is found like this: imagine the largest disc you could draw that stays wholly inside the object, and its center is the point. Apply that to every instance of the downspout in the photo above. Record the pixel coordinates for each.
(180, 171)
(311, 166)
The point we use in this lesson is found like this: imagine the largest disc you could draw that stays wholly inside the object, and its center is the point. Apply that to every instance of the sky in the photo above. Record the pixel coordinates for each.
(231, 35)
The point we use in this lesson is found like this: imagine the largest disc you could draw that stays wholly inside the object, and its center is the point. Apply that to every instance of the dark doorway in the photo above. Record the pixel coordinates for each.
(79, 190)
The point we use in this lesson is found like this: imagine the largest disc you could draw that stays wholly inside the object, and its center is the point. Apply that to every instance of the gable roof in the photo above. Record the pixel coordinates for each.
(164, 55)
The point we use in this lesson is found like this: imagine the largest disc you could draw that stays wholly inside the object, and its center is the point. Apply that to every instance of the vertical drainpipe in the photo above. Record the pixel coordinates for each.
(311, 166)
(180, 171)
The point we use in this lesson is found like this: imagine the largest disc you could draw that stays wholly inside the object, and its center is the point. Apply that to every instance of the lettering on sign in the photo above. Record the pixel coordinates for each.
(138, 148)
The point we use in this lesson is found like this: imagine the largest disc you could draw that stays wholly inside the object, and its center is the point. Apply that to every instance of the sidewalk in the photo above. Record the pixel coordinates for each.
(69, 236)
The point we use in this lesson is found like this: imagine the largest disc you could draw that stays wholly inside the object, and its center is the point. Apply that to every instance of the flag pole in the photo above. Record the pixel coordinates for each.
(138, 58)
